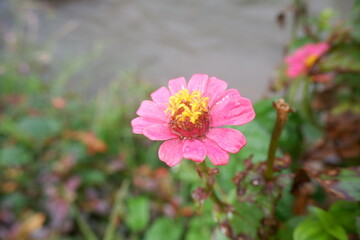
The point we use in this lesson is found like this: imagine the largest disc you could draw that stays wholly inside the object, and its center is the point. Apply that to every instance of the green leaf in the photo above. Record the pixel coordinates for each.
(14, 82)
(266, 113)
(218, 235)
(75, 149)
(345, 213)
(290, 140)
(187, 173)
(355, 20)
(198, 229)
(343, 58)
(311, 133)
(287, 231)
(330, 225)
(257, 138)
(285, 204)
(349, 183)
(138, 213)
(164, 229)
(14, 156)
(39, 128)
(325, 19)
(345, 184)
(248, 220)
(311, 229)
(9, 128)
(15, 199)
(235, 165)
(92, 176)
(351, 80)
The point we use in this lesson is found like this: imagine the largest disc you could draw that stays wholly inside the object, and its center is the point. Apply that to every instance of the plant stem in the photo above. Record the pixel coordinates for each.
(282, 109)
(83, 225)
(294, 88)
(117, 209)
(306, 104)
(203, 171)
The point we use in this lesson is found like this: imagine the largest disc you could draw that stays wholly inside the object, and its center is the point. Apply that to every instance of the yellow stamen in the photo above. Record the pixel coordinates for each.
(311, 60)
(184, 105)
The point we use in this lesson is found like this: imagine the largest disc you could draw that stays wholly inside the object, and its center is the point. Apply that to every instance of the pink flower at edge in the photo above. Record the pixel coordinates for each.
(301, 60)
(188, 117)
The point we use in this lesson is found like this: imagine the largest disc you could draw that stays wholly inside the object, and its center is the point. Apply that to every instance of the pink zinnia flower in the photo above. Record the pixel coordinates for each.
(304, 58)
(187, 117)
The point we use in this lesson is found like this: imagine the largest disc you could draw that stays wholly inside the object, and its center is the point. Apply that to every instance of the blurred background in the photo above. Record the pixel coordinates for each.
(73, 73)
(235, 40)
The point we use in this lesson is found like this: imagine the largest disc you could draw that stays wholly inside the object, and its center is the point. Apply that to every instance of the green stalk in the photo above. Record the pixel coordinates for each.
(203, 171)
(306, 104)
(116, 211)
(293, 90)
(283, 109)
(83, 225)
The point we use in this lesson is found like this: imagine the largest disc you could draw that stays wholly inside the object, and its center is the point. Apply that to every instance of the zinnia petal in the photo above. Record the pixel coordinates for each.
(224, 99)
(186, 120)
(177, 84)
(320, 48)
(198, 82)
(170, 152)
(215, 88)
(230, 140)
(231, 110)
(138, 124)
(298, 60)
(295, 70)
(215, 153)
(159, 132)
(194, 150)
(161, 96)
(149, 109)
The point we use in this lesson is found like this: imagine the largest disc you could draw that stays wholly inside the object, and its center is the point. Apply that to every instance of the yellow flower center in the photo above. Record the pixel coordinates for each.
(311, 60)
(189, 117)
(184, 105)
